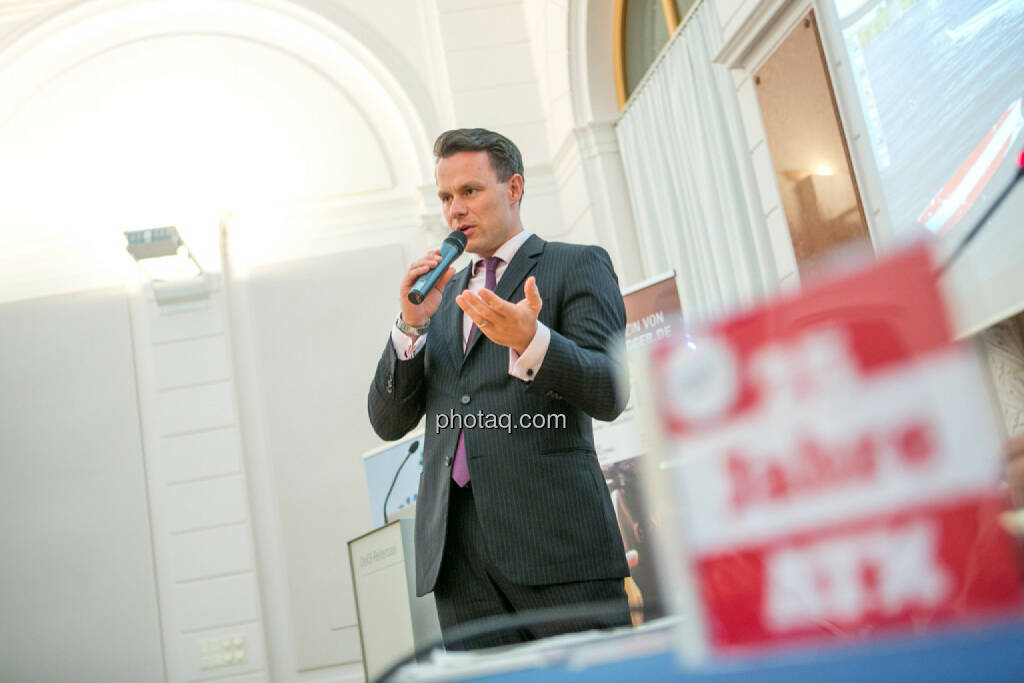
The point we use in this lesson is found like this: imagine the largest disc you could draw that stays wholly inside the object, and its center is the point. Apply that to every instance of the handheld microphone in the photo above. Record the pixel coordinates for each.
(412, 449)
(452, 247)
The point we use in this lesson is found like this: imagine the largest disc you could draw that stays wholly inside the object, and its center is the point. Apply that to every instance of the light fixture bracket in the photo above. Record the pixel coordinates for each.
(153, 243)
(177, 278)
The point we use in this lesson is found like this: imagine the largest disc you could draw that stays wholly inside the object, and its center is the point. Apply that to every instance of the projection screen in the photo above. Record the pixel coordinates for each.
(930, 92)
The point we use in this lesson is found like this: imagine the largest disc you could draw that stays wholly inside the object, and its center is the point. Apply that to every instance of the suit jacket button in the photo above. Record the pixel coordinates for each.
(464, 399)
(447, 461)
(391, 385)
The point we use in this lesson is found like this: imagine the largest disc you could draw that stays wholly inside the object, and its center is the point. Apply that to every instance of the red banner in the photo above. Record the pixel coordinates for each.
(837, 458)
(921, 566)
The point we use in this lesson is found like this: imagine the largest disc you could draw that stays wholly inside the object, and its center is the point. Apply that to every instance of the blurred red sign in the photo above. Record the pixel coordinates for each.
(837, 457)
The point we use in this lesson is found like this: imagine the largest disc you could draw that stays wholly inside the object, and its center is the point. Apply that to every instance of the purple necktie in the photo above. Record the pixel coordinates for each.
(460, 470)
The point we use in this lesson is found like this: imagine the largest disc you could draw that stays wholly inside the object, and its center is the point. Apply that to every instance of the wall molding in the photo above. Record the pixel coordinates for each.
(760, 33)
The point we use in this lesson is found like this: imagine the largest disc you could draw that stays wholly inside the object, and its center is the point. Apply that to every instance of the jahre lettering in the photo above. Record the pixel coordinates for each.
(815, 467)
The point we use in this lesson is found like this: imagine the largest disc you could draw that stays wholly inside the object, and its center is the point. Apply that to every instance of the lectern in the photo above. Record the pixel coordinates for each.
(393, 622)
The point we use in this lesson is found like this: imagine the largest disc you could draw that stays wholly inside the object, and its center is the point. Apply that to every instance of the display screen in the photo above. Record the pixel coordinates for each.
(939, 86)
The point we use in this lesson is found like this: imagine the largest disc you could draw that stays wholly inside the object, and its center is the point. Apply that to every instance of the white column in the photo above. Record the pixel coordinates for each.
(211, 615)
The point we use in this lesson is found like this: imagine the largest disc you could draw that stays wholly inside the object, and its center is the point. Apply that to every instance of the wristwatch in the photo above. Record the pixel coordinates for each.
(409, 329)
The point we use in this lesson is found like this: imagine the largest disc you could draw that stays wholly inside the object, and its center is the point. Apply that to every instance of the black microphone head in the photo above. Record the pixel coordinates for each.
(413, 446)
(457, 239)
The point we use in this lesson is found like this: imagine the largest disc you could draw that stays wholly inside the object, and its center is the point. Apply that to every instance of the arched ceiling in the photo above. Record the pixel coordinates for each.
(178, 123)
(121, 115)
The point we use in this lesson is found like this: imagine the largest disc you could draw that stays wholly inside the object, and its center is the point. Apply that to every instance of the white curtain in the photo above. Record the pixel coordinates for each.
(690, 177)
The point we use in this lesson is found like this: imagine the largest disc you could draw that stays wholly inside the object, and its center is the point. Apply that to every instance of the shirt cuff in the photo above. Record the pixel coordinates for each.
(406, 345)
(526, 366)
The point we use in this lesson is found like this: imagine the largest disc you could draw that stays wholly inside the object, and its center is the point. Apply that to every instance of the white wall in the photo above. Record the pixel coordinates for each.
(487, 51)
(198, 495)
(307, 335)
(78, 595)
(571, 44)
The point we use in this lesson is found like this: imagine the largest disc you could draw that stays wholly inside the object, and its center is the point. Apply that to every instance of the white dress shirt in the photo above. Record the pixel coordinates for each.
(524, 367)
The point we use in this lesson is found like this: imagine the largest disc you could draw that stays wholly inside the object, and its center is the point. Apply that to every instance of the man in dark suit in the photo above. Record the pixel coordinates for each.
(509, 360)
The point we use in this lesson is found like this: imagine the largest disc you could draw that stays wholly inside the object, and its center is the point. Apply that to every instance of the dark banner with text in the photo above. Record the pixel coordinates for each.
(652, 313)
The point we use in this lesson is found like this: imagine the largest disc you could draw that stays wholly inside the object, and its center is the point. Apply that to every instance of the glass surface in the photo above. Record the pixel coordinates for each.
(936, 88)
(934, 79)
(646, 34)
(819, 193)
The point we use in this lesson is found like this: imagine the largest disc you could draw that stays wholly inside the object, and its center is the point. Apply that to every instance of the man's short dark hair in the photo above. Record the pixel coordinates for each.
(503, 153)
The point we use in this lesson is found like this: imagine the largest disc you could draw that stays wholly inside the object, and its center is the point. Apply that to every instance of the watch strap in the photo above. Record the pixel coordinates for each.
(410, 329)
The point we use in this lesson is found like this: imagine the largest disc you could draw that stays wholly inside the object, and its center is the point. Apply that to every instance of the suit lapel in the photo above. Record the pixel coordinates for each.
(521, 265)
(517, 271)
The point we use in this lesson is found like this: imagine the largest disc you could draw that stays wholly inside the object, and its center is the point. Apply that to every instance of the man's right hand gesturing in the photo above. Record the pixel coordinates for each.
(418, 315)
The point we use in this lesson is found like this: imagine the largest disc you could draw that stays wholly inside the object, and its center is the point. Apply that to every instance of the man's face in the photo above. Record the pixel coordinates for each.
(476, 203)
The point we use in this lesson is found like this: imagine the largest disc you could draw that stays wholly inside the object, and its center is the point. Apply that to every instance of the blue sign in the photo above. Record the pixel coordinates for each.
(380, 469)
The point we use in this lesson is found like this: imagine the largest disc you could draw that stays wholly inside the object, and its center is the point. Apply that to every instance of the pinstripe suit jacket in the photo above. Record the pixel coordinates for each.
(540, 495)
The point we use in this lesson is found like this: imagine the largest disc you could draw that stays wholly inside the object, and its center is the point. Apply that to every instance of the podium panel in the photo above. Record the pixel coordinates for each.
(393, 622)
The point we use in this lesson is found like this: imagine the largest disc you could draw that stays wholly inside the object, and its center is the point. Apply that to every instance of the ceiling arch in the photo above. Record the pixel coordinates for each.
(121, 113)
(348, 51)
